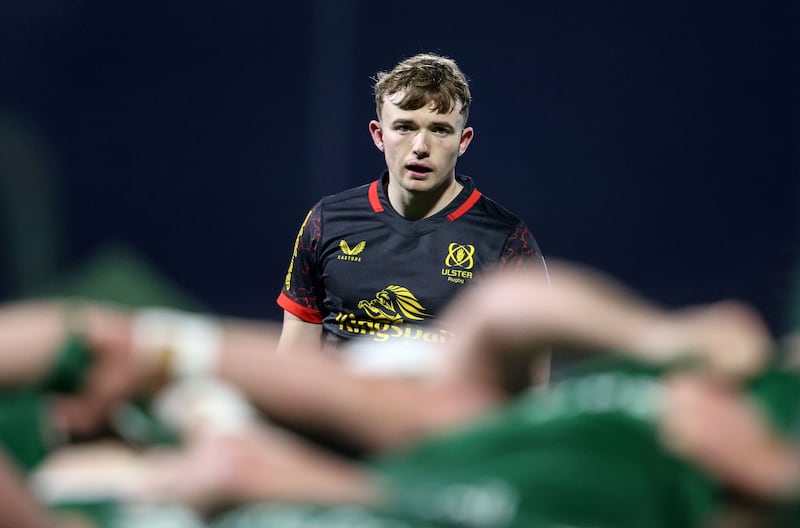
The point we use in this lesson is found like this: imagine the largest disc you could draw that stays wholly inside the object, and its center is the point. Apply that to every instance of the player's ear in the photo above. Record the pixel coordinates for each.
(466, 138)
(376, 131)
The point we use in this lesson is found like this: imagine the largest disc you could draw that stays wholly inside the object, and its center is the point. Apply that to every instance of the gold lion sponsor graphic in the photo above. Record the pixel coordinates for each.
(458, 262)
(349, 253)
(387, 314)
(394, 303)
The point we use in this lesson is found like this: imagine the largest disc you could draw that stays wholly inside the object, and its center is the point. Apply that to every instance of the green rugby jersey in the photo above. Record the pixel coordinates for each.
(582, 454)
(27, 432)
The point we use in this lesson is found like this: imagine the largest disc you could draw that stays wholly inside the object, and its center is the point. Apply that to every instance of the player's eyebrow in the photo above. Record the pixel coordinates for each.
(434, 124)
(443, 124)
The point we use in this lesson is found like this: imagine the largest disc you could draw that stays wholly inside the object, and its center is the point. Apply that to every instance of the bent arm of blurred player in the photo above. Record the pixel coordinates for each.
(302, 388)
(30, 334)
(320, 393)
(505, 314)
(36, 337)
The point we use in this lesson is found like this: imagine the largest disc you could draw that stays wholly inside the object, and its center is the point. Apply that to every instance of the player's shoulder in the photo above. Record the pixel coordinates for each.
(354, 196)
(498, 211)
(489, 207)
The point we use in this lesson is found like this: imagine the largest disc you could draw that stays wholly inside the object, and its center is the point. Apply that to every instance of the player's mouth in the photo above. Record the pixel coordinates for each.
(418, 170)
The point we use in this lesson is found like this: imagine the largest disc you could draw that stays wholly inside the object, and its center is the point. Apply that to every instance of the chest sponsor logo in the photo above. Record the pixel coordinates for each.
(394, 303)
(386, 315)
(459, 262)
(351, 254)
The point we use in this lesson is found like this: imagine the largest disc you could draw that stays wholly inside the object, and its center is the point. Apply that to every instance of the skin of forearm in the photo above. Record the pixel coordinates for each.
(296, 471)
(310, 390)
(776, 472)
(511, 317)
(30, 334)
(578, 309)
(501, 321)
(17, 507)
(721, 430)
(261, 463)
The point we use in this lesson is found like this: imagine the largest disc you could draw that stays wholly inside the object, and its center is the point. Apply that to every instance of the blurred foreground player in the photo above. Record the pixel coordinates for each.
(613, 444)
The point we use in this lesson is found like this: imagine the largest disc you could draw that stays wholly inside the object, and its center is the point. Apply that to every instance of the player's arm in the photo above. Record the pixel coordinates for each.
(301, 388)
(302, 292)
(29, 337)
(33, 333)
(727, 434)
(514, 309)
(298, 335)
(17, 506)
(79, 350)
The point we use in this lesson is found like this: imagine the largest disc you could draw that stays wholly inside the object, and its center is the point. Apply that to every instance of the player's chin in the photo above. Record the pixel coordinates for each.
(421, 182)
(416, 186)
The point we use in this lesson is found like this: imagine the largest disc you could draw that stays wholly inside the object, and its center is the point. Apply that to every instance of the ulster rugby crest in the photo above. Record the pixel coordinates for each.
(460, 256)
(459, 261)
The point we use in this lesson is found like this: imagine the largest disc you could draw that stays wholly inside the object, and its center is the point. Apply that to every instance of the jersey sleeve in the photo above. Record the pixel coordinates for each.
(520, 247)
(302, 293)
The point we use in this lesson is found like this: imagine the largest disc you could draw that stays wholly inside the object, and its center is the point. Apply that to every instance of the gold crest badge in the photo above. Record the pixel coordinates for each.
(460, 256)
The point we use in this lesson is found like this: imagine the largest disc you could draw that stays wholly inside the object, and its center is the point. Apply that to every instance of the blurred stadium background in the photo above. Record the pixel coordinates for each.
(173, 148)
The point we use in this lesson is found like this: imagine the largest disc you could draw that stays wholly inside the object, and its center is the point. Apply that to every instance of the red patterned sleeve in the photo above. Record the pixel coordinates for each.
(521, 247)
(302, 293)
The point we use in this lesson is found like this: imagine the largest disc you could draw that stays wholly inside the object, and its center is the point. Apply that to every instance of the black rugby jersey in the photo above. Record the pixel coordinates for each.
(361, 269)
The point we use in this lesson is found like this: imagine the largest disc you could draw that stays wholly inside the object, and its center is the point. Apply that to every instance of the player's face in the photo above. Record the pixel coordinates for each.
(420, 146)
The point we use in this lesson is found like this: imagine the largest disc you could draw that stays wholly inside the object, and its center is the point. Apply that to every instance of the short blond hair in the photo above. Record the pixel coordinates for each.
(425, 79)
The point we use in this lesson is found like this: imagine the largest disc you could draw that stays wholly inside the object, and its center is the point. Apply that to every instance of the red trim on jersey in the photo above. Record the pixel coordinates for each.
(293, 307)
(466, 206)
(374, 201)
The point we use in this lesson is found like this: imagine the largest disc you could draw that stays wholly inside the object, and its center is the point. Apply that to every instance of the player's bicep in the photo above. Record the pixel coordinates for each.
(298, 335)
(520, 245)
(302, 292)
(303, 250)
(521, 249)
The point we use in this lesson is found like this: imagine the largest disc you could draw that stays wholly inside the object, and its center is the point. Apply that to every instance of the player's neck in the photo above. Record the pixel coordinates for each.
(421, 204)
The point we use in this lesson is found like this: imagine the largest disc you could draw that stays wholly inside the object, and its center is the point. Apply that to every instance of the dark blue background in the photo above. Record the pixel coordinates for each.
(654, 140)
